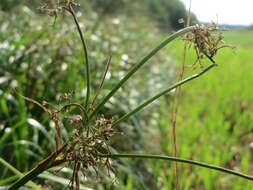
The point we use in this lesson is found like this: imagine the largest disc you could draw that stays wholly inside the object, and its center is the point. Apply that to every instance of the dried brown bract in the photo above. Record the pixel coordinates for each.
(206, 41)
(67, 96)
(74, 119)
(50, 9)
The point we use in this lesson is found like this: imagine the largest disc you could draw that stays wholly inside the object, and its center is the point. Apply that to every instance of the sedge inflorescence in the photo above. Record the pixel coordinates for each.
(85, 148)
(207, 40)
(89, 139)
(87, 142)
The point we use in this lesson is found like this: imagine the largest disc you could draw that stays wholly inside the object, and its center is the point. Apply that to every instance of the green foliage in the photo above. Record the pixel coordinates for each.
(214, 115)
(32, 57)
(214, 122)
(165, 13)
(108, 6)
(6, 5)
(244, 41)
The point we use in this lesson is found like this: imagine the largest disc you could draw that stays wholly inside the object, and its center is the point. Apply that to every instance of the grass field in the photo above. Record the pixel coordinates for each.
(215, 119)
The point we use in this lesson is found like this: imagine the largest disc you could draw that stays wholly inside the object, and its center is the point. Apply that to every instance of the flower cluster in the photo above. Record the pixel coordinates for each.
(206, 41)
(85, 149)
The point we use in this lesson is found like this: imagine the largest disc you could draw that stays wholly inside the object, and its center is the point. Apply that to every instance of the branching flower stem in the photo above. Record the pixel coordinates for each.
(182, 160)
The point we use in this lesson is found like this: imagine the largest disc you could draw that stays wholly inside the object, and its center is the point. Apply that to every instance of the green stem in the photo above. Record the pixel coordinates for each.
(42, 166)
(150, 100)
(70, 9)
(18, 173)
(138, 65)
(192, 162)
(9, 179)
(29, 176)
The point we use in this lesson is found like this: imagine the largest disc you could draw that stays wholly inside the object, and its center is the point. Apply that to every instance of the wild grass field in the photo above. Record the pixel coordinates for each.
(43, 60)
(214, 119)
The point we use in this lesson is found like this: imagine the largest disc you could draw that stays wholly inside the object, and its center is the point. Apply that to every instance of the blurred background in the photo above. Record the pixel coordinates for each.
(42, 58)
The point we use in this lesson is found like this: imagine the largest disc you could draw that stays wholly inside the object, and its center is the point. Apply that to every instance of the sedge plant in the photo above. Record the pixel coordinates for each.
(87, 146)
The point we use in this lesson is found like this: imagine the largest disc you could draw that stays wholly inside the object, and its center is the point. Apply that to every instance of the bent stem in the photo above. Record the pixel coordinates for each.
(72, 12)
(150, 100)
(82, 109)
(182, 160)
(138, 65)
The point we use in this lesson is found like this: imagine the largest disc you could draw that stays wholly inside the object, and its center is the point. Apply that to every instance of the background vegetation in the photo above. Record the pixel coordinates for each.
(43, 60)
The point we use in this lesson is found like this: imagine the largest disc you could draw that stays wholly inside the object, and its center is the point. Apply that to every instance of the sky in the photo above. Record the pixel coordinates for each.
(226, 11)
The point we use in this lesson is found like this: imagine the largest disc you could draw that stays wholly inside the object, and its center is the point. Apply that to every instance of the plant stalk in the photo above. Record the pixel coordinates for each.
(18, 174)
(150, 100)
(182, 160)
(87, 69)
(29, 176)
(138, 65)
(42, 166)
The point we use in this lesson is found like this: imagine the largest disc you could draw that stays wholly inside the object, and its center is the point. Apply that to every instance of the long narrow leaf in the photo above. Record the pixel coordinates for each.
(192, 162)
(14, 170)
(8, 180)
(150, 100)
(138, 65)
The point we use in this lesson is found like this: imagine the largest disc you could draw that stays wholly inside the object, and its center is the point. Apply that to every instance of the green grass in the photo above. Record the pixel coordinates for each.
(240, 38)
(215, 118)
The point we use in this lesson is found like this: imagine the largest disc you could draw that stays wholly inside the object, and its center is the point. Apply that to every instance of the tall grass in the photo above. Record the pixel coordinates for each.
(93, 130)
